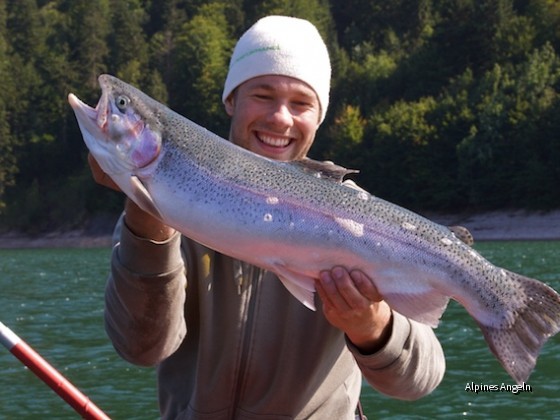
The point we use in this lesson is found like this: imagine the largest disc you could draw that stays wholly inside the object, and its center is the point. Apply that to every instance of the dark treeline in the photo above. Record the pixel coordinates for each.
(442, 104)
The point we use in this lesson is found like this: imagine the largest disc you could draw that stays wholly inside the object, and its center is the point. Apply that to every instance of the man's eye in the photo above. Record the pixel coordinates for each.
(302, 105)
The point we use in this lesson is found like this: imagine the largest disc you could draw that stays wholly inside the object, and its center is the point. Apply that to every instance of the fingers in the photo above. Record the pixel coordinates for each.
(331, 289)
(345, 290)
(365, 286)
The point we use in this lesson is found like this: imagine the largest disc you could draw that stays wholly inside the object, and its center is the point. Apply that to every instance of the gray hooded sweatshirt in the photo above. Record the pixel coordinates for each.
(230, 342)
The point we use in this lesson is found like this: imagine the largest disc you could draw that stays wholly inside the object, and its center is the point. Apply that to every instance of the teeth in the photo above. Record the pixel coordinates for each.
(274, 141)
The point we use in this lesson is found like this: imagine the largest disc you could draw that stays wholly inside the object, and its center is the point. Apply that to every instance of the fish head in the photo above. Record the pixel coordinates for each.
(122, 131)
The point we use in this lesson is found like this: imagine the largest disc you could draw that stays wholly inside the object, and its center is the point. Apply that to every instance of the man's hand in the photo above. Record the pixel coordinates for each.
(142, 224)
(99, 176)
(352, 303)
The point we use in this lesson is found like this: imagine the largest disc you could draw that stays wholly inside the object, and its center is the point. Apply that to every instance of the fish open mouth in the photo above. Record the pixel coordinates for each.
(91, 119)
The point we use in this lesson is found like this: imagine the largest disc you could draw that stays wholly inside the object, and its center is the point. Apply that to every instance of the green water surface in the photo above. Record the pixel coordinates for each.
(53, 299)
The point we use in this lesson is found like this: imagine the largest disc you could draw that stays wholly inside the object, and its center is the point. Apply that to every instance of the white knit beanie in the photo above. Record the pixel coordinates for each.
(284, 46)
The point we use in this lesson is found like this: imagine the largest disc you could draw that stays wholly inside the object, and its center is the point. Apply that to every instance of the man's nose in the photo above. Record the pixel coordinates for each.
(281, 115)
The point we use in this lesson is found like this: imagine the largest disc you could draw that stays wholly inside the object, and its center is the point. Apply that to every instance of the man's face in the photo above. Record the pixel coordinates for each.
(274, 116)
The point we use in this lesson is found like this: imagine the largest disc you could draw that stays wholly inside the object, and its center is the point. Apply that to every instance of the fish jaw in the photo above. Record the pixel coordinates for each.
(116, 134)
(91, 122)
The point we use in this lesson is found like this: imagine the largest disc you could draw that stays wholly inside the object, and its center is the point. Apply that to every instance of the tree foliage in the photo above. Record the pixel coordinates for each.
(442, 105)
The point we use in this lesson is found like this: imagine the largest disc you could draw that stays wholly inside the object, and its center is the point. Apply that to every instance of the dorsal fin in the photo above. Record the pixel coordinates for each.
(463, 234)
(323, 169)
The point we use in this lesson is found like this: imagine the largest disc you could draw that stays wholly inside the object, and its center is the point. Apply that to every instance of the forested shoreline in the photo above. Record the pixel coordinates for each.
(442, 105)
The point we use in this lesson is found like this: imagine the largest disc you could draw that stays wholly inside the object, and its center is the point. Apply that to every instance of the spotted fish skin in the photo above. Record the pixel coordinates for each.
(294, 220)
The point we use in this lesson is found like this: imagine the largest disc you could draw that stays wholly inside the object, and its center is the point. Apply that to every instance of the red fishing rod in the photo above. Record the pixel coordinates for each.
(50, 375)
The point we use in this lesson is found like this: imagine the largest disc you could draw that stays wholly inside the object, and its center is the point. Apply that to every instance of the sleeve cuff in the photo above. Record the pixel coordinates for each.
(392, 349)
(148, 257)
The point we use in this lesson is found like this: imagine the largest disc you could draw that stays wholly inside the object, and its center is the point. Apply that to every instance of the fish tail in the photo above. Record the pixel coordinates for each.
(517, 343)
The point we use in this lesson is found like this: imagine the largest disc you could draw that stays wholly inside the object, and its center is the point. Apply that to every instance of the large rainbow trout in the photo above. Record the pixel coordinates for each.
(296, 220)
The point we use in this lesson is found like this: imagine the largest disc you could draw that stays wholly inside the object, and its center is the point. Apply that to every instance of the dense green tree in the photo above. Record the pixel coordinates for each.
(346, 136)
(441, 105)
(508, 104)
(24, 34)
(316, 11)
(202, 55)
(128, 47)
(401, 148)
(24, 27)
(398, 27)
(89, 28)
(7, 157)
(166, 19)
(28, 111)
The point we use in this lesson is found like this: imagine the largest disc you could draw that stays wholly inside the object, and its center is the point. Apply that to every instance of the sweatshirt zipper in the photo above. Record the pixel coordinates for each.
(254, 274)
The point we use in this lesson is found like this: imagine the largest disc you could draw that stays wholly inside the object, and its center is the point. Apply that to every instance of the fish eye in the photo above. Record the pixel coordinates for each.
(122, 102)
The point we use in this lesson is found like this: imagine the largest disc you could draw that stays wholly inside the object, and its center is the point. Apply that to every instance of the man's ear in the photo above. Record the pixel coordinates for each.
(229, 104)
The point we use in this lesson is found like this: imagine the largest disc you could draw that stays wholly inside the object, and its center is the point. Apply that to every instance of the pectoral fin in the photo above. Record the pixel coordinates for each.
(135, 190)
(142, 197)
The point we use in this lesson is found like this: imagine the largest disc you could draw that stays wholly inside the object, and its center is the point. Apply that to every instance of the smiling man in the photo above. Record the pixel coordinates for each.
(274, 116)
(228, 339)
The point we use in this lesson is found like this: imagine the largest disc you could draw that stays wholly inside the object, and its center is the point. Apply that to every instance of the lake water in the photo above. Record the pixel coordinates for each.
(53, 299)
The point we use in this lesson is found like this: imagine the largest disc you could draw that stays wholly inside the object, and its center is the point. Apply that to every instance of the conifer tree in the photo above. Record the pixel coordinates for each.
(7, 156)
(203, 48)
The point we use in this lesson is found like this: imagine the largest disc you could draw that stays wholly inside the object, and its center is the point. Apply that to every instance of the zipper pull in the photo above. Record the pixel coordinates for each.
(239, 285)
(238, 276)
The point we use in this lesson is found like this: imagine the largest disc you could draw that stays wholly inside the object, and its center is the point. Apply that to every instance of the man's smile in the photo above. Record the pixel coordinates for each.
(273, 141)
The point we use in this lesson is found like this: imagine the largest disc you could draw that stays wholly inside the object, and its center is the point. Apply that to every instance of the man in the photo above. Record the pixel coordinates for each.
(228, 340)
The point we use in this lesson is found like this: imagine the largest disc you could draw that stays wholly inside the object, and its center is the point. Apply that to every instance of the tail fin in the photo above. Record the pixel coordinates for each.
(517, 344)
